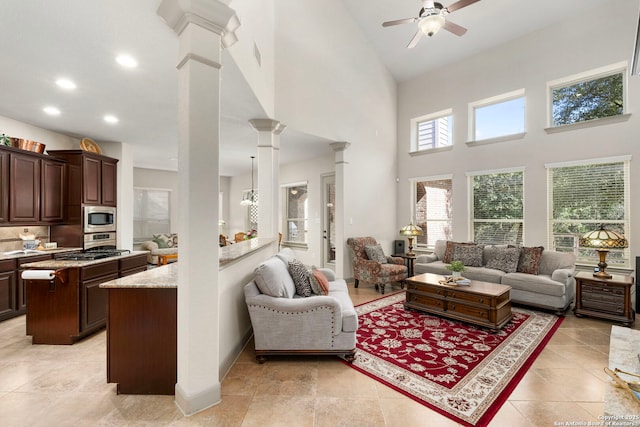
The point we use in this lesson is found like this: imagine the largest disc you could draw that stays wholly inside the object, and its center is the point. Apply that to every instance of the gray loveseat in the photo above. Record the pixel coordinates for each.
(552, 288)
(286, 323)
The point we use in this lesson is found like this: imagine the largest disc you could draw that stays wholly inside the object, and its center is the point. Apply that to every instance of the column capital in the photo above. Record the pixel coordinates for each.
(212, 15)
(268, 125)
(340, 146)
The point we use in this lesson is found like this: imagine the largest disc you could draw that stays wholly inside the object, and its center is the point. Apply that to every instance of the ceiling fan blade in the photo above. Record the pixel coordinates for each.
(454, 28)
(399, 21)
(460, 4)
(414, 41)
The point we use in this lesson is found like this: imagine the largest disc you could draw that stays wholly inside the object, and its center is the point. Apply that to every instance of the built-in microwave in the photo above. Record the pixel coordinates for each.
(99, 219)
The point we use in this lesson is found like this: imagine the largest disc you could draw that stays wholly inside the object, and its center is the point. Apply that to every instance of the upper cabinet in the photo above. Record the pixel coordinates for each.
(31, 188)
(98, 175)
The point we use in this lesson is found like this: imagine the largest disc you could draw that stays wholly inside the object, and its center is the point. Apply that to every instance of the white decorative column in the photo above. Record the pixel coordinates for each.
(203, 28)
(268, 174)
(339, 149)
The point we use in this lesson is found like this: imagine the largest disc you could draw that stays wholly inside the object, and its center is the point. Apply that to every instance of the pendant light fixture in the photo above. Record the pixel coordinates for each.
(250, 198)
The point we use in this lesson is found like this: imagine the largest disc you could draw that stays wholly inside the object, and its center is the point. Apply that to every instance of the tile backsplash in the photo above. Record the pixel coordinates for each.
(10, 236)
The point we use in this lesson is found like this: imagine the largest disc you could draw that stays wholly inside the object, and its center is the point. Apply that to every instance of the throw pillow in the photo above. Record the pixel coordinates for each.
(300, 277)
(469, 255)
(448, 252)
(162, 240)
(315, 285)
(504, 259)
(529, 261)
(273, 279)
(375, 253)
(322, 280)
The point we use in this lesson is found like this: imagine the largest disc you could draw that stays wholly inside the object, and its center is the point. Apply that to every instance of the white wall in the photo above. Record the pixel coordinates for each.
(329, 82)
(52, 140)
(529, 63)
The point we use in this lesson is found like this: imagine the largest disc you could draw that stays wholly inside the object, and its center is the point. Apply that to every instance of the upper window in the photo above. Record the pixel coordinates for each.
(584, 195)
(296, 213)
(592, 95)
(498, 116)
(432, 131)
(497, 206)
(151, 213)
(432, 209)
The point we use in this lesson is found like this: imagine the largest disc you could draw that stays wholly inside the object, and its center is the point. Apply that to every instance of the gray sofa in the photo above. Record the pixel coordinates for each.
(285, 323)
(553, 288)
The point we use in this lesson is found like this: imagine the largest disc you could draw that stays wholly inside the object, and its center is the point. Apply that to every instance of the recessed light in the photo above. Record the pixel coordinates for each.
(126, 61)
(110, 119)
(52, 111)
(66, 84)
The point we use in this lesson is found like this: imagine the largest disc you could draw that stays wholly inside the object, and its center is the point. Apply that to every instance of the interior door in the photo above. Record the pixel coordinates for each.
(328, 221)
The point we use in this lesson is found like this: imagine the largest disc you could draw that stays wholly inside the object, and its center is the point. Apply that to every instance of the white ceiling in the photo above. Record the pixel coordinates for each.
(43, 40)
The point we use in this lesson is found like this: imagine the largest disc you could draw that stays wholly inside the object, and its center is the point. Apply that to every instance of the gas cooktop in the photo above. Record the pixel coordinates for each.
(89, 255)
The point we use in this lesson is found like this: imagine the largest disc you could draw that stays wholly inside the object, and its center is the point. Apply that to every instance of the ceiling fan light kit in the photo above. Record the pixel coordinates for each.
(431, 24)
(431, 18)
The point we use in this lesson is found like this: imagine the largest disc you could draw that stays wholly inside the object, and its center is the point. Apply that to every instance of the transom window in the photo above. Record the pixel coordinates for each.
(497, 204)
(296, 218)
(432, 209)
(582, 196)
(432, 131)
(588, 96)
(498, 116)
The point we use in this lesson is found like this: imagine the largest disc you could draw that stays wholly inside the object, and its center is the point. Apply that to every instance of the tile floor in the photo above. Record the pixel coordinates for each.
(65, 386)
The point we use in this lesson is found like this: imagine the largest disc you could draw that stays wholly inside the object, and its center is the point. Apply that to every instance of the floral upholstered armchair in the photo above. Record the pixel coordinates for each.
(371, 265)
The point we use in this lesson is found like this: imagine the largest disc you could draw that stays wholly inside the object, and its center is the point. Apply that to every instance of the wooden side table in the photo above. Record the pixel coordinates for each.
(409, 260)
(163, 259)
(604, 298)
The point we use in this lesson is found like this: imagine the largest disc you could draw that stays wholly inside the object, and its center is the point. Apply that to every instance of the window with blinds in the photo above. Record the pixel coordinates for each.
(297, 217)
(432, 131)
(584, 195)
(432, 210)
(151, 213)
(497, 207)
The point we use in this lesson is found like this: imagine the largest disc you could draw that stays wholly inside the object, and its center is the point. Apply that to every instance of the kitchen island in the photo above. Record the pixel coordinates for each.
(72, 305)
(142, 331)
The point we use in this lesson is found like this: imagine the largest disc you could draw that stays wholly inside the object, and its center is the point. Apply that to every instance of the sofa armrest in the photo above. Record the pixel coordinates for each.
(562, 275)
(149, 246)
(286, 315)
(427, 258)
(395, 260)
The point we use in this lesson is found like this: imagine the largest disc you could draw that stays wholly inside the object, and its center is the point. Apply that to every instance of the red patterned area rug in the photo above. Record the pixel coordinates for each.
(463, 372)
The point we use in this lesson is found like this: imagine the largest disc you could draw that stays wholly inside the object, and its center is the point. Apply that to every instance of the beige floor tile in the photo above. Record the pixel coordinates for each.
(228, 413)
(332, 412)
(409, 413)
(339, 380)
(508, 416)
(535, 387)
(550, 413)
(276, 411)
(579, 384)
(289, 378)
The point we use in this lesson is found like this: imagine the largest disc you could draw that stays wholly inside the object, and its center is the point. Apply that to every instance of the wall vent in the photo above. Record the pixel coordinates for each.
(257, 54)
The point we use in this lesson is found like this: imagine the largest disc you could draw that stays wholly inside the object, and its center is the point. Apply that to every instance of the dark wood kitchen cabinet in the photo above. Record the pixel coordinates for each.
(24, 182)
(4, 186)
(32, 188)
(7, 289)
(98, 177)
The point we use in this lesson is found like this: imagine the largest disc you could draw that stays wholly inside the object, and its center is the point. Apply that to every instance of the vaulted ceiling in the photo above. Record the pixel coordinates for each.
(44, 40)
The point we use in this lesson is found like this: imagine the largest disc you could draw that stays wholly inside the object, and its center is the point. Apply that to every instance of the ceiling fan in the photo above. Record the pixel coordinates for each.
(431, 19)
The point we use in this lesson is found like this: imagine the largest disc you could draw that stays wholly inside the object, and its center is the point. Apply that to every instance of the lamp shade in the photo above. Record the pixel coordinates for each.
(411, 230)
(603, 239)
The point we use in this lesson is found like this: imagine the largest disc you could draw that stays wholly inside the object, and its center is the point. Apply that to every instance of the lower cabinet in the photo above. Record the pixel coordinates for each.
(7, 289)
(93, 299)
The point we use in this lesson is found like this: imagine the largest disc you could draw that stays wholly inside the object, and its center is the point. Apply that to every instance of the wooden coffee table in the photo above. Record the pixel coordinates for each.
(163, 259)
(480, 303)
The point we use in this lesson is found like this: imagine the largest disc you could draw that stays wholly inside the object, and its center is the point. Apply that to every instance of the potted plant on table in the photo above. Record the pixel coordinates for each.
(456, 267)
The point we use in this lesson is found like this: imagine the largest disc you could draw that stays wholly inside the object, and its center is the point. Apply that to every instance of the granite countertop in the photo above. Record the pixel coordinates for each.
(165, 276)
(5, 255)
(624, 353)
(61, 263)
(235, 251)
